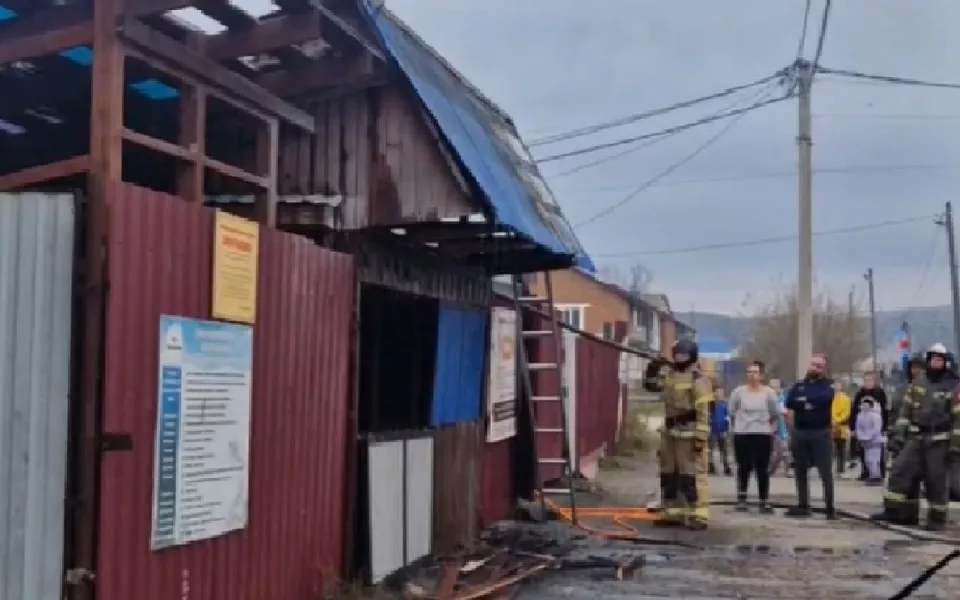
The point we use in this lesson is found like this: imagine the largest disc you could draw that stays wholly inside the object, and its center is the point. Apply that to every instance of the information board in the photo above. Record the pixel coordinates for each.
(201, 467)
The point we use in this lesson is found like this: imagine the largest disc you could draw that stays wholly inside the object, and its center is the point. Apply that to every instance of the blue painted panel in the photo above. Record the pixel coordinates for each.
(82, 55)
(461, 360)
(6, 14)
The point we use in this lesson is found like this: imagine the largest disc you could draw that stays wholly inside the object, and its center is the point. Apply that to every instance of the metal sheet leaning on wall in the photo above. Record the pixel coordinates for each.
(36, 275)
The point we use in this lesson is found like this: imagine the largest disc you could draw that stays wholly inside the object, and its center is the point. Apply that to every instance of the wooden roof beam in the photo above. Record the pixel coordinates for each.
(356, 72)
(269, 34)
(195, 64)
(353, 28)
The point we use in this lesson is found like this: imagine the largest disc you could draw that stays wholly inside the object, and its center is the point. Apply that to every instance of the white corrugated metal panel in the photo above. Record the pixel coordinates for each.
(569, 390)
(36, 256)
(419, 504)
(385, 486)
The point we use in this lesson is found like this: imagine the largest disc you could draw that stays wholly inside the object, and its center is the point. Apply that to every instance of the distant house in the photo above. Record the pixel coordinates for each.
(597, 306)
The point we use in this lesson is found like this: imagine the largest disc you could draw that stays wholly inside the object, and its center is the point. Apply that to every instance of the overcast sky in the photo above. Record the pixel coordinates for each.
(559, 64)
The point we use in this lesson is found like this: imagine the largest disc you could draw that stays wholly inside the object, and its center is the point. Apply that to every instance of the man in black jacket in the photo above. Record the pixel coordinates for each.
(811, 443)
(875, 393)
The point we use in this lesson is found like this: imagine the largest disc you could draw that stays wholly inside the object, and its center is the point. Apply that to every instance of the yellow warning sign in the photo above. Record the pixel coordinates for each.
(236, 254)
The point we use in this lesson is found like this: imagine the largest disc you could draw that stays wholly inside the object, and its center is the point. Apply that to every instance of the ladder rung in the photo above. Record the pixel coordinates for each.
(537, 299)
(552, 461)
(537, 333)
(546, 398)
(557, 490)
(542, 366)
(549, 430)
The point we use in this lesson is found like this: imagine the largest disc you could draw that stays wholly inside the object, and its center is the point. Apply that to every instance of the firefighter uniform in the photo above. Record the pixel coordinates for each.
(686, 396)
(927, 433)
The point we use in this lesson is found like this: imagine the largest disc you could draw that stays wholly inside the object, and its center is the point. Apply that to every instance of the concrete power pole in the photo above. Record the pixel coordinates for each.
(873, 319)
(947, 223)
(804, 74)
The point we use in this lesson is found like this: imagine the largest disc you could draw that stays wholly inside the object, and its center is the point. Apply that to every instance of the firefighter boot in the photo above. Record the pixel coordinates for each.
(936, 519)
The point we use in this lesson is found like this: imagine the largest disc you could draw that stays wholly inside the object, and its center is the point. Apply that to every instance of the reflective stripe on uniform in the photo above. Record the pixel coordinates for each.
(899, 498)
(939, 507)
(902, 422)
(705, 399)
(682, 386)
(914, 429)
(683, 434)
(940, 437)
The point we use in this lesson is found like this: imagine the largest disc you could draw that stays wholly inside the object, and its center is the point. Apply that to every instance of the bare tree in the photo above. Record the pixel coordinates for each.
(636, 279)
(840, 331)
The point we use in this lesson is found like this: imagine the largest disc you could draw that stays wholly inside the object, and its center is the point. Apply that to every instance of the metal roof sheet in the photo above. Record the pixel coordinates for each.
(483, 138)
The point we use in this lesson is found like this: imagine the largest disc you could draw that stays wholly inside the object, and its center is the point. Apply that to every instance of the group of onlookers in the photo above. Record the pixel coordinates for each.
(814, 424)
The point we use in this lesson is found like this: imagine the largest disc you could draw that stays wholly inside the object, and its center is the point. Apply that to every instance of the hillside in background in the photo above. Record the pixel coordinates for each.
(927, 325)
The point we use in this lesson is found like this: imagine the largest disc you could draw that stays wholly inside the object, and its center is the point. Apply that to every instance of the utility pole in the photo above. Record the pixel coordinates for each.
(873, 319)
(804, 75)
(947, 223)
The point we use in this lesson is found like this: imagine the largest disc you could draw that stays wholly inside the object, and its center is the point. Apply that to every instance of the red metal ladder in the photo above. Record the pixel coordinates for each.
(546, 411)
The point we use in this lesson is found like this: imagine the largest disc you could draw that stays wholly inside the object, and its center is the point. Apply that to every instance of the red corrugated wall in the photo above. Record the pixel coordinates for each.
(160, 263)
(598, 395)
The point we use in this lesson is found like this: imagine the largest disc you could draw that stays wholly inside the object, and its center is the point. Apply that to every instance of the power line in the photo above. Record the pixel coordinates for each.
(786, 174)
(640, 189)
(823, 35)
(662, 132)
(888, 78)
(769, 240)
(649, 143)
(619, 122)
(921, 285)
(803, 32)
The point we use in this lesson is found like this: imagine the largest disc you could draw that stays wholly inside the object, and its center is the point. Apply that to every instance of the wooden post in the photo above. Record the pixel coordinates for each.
(106, 147)
(193, 119)
(268, 156)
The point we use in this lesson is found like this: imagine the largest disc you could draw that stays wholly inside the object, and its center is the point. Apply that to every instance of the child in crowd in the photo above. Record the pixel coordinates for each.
(719, 430)
(781, 441)
(870, 435)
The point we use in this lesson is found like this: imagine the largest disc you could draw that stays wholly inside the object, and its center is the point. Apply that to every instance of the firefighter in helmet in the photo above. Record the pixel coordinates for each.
(686, 396)
(926, 438)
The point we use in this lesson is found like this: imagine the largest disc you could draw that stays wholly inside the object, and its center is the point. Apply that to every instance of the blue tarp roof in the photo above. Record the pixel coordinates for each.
(511, 182)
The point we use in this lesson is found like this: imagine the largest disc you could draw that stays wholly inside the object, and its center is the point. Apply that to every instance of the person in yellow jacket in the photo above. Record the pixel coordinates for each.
(840, 418)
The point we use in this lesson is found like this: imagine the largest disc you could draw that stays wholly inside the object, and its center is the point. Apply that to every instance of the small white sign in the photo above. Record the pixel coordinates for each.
(502, 378)
(201, 468)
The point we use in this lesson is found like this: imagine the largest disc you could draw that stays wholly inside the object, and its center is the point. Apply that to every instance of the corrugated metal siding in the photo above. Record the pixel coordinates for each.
(400, 489)
(376, 151)
(160, 262)
(458, 464)
(461, 365)
(419, 505)
(385, 461)
(598, 395)
(36, 275)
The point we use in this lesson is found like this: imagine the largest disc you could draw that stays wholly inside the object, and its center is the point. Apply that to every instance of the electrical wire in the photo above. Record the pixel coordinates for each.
(785, 174)
(768, 240)
(619, 122)
(924, 274)
(887, 78)
(823, 35)
(704, 146)
(803, 32)
(649, 143)
(670, 130)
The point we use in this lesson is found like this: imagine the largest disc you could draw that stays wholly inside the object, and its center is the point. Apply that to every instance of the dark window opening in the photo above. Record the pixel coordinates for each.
(398, 352)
